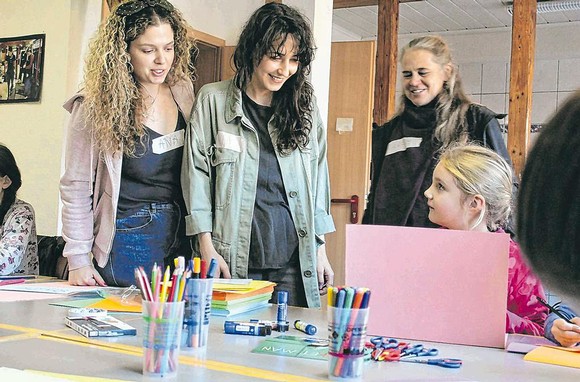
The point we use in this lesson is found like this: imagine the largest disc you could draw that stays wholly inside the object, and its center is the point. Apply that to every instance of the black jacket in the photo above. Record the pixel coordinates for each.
(483, 127)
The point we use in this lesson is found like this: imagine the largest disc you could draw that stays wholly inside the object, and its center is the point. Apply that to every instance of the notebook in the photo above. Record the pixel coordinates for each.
(431, 284)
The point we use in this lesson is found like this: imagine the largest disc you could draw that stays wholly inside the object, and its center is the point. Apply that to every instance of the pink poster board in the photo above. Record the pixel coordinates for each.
(431, 284)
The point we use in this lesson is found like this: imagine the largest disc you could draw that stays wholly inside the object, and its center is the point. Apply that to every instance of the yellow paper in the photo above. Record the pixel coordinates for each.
(115, 306)
(555, 355)
(240, 288)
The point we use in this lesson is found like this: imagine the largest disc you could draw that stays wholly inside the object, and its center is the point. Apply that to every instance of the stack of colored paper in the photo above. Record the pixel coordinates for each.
(232, 297)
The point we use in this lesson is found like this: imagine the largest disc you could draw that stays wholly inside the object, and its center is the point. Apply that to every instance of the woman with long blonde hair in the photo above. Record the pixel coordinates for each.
(121, 191)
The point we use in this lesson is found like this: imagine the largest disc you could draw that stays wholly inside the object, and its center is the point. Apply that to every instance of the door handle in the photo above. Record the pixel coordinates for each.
(353, 201)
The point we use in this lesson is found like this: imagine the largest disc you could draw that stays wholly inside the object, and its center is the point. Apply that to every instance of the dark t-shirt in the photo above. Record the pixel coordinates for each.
(154, 175)
(273, 238)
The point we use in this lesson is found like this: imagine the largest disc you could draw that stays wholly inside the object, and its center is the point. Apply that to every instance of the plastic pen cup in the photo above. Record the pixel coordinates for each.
(161, 337)
(347, 329)
(197, 296)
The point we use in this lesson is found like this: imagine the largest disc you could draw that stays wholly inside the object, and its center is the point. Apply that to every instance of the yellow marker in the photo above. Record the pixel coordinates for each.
(166, 275)
(330, 296)
(196, 267)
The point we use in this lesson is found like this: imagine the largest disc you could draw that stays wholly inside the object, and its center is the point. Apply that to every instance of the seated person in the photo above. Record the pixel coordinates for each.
(548, 212)
(561, 332)
(18, 248)
(472, 190)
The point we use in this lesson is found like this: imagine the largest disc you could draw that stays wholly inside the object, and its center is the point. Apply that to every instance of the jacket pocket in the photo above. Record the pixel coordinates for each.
(223, 162)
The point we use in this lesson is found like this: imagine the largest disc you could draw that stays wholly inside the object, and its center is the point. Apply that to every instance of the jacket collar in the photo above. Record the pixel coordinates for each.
(234, 103)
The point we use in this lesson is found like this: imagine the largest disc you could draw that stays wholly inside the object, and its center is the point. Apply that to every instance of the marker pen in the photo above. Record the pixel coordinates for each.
(272, 324)
(282, 318)
(305, 327)
(246, 328)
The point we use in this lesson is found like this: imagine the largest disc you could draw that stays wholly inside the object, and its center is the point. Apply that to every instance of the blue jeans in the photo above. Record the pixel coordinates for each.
(154, 234)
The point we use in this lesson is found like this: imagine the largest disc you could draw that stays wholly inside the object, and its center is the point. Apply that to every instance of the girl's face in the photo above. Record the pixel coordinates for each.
(152, 54)
(423, 78)
(448, 205)
(273, 71)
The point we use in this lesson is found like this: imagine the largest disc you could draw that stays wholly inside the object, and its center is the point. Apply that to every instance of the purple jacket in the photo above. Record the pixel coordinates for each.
(89, 187)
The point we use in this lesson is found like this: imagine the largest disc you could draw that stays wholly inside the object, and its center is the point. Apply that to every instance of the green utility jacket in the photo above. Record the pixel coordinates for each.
(220, 172)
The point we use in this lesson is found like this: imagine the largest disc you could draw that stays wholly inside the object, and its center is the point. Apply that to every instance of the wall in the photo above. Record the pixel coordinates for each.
(220, 18)
(483, 57)
(33, 131)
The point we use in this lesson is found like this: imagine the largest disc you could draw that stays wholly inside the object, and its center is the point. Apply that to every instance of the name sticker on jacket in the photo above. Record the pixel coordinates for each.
(230, 141)
(168, 142)
(403, 144)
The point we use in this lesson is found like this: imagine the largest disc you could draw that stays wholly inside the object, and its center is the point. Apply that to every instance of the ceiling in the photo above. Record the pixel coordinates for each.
(437, 16)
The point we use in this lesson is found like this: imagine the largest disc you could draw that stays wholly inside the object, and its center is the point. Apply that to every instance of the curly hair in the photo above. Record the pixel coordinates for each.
(113, 103)
(453, 103)
(266, 31)
(8, 167)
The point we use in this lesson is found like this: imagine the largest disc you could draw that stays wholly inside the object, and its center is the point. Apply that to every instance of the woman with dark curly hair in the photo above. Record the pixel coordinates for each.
(121, 190)
(255, 173)
(18, 247)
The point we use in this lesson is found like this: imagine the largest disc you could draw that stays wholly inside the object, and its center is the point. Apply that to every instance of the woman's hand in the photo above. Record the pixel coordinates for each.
(208, 252)
(324, 271)
(86, 276)
(567, 334)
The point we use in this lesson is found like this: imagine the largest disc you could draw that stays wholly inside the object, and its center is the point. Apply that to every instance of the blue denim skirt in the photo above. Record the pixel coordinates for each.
(153, 234)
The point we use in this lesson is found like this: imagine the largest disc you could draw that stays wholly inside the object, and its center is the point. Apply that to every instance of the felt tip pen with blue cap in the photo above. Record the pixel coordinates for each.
(305, 327)
(247, 328)
(282, 318)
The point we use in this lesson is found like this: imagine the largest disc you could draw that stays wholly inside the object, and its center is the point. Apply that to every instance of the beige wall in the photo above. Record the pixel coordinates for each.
(33, 131)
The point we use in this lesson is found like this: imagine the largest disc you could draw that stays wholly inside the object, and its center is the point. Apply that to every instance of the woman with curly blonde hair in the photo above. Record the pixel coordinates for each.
(121, 192)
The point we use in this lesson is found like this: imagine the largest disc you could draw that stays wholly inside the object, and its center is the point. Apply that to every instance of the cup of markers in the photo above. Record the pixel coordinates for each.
(162, 319)
(197, 296)
(348, 313)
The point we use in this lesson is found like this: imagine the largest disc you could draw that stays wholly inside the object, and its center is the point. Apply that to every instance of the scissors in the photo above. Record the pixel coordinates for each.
(386, 349)
(419, 351)
(386, 343)
(452, 363)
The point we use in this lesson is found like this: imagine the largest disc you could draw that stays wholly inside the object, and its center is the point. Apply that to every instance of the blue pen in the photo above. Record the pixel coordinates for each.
(212, 267)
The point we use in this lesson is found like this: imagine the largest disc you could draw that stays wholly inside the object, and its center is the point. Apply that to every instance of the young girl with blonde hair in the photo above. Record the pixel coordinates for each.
(472, 190)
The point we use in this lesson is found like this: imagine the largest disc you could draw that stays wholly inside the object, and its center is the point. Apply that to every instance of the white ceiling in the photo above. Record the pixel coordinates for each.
(436, 16)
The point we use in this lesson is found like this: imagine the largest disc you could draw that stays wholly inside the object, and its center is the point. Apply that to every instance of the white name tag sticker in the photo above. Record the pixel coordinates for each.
(230, 141)
(403, 144)
(168, 142)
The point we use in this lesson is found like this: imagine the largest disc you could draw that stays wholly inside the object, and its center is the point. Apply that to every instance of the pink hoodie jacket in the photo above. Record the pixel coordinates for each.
(89, 187)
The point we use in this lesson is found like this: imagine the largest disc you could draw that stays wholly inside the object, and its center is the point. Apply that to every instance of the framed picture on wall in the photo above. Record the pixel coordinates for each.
(21, 64)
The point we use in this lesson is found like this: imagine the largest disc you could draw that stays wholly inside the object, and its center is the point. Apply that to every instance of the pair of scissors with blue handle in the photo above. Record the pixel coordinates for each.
(384, 342)
(419, 351)
(451, 363)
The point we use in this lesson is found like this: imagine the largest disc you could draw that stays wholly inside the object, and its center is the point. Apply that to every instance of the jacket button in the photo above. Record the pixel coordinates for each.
(293, 194)
(307, 273)
(301, 233)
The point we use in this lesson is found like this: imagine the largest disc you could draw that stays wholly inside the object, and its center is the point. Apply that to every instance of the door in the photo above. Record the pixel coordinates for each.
(349, 150)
